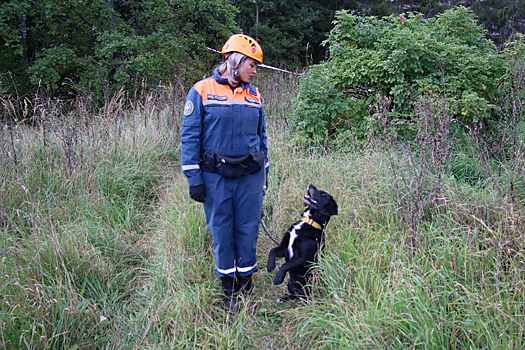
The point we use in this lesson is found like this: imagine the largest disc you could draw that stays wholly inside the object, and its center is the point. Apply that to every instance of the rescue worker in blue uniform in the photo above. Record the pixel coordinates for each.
(225, 159)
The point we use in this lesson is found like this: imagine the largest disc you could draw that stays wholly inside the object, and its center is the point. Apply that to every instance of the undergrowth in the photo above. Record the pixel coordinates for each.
(101, 246)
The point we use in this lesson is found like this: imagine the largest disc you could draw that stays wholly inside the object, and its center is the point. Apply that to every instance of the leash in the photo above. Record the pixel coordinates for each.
(263, 214)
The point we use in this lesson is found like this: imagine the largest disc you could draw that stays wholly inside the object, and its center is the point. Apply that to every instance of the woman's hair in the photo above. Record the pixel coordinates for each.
(233, 61)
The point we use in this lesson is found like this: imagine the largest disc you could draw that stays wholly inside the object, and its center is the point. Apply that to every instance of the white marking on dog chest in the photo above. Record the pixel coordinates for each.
(293, 235)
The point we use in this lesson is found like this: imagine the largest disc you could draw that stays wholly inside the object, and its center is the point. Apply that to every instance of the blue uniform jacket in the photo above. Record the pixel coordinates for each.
(222, 120)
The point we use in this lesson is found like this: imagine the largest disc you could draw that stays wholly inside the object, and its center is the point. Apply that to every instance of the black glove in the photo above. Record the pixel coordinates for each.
(198, 193)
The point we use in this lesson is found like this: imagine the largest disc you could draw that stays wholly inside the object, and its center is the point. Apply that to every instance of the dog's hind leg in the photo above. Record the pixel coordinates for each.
(298, 283)
(294, 291)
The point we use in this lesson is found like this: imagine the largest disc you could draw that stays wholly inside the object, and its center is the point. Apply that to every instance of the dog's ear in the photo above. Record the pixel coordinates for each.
(330, 208)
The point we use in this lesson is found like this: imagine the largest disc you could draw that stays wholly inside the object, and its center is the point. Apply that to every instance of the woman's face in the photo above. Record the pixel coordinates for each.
(248, 69)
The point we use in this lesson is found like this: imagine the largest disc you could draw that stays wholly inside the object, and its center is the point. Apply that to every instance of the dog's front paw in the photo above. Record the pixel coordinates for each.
(270, 266)
(279, 278)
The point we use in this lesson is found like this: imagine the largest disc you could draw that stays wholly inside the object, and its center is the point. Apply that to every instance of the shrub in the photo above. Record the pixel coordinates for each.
(399, 58)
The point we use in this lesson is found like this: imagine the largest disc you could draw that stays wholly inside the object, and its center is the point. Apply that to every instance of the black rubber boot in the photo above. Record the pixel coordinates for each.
(230, 299)
(243, 285)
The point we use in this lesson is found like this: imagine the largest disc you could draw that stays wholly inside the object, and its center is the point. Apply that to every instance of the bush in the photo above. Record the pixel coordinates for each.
(399, 58)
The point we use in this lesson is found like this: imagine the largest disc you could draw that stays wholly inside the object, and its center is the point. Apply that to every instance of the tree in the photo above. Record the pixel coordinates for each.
(82, 44)
(55, 38)
(290, 32)
(502, 18)
(71, 45)
(165, 40)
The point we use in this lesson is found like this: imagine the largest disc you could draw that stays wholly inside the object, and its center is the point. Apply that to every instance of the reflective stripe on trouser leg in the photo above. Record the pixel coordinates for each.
(232, 202)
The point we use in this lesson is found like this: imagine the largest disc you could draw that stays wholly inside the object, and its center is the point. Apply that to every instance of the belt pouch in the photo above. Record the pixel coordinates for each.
(208, 161)
(231, 166)
(255, 162)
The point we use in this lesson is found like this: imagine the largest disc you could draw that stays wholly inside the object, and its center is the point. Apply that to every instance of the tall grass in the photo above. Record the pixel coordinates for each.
(77, 197)
(101, 246)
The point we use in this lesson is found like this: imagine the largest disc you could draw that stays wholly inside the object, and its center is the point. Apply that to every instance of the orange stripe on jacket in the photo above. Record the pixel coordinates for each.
(210, 90)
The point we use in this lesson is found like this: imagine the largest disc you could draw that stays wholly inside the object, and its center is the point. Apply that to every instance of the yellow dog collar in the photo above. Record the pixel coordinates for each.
(311, 223)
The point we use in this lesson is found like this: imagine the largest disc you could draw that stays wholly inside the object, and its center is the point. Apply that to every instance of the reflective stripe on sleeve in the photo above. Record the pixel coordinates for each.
(190, 167)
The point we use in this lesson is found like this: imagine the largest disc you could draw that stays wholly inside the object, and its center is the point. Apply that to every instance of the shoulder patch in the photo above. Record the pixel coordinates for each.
(252, 100)
(216, 97)
(188, 108)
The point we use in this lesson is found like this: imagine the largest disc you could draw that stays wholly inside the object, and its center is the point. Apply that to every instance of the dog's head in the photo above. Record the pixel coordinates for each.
(321, 205)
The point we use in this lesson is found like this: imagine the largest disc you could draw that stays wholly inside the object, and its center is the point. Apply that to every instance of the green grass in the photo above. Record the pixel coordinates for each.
(102, 248)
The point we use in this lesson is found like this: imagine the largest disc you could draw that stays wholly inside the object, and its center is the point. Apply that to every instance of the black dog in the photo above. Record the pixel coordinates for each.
(302, 242)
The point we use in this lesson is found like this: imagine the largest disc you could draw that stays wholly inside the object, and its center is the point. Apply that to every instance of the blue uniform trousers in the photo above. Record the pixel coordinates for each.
(233, 213)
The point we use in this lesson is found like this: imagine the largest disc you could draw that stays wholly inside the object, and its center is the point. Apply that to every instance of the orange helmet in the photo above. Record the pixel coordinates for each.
(245, 45)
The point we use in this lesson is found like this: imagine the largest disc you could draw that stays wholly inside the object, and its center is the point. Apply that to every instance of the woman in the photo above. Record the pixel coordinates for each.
(225, 159)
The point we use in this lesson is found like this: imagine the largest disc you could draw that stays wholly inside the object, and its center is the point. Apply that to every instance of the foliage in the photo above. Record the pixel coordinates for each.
(69, 46)
(100, 46)
(398, 58)
(514, 78)
(291, 32)
(320, 107)
(505, 136)
(500, 18)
